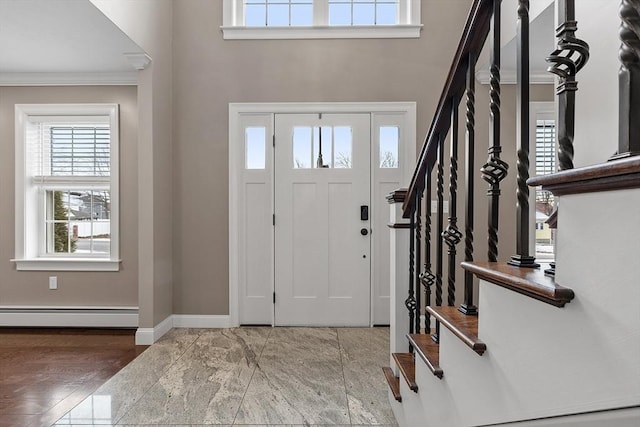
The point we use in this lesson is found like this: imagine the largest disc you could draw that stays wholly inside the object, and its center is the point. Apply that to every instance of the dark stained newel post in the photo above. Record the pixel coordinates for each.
(522, 258)
(571, 55)
(629, 75)
(495, 170)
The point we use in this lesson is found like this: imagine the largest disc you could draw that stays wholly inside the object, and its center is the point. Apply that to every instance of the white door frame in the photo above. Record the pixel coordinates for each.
(237, 110)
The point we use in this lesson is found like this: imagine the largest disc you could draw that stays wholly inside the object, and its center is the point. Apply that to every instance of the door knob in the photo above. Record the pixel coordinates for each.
(364, 231)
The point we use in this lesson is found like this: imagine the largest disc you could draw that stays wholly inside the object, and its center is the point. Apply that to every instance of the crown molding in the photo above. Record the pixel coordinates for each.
(125, 78)
(138, 60)
(508, 77)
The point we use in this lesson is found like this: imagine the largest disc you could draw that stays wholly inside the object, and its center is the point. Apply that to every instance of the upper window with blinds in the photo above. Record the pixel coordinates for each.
(80, 150)
(291, 19)
(67, 187)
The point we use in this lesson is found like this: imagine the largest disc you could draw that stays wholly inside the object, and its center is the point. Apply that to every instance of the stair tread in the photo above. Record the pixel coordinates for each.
(428, 350)
(394, 383)
(463, 326)
(406, 364)
(531, 282)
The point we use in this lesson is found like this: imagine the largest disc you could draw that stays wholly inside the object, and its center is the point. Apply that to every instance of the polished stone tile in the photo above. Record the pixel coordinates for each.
(130, 384)
(298, 380)
(251, 376)
(364, 352)
(206, 385)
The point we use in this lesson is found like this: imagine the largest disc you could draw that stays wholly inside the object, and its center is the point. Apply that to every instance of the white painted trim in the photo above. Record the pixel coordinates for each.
(237, 109)
(201, 321)
(508, 77)
(147, 336)
(83, 317)
(138, 60)
(126, 78)
(408, 26)
(28, 243)
(322, 32)
(76, 264)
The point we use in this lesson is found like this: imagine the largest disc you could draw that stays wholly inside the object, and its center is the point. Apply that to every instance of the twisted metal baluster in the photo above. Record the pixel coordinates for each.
(418, 255)
(452, 234)
(523, 258)
(629, 75)
(439, 224)
(410, 302)
(427, 278)
(467, 306)
(495, 170)
(566, 61)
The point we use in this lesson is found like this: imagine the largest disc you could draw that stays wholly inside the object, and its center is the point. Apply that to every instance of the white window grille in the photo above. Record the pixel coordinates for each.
(67, 187)
(291, 19)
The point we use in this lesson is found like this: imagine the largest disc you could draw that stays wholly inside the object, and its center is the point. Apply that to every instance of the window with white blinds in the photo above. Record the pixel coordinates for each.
(67, 186)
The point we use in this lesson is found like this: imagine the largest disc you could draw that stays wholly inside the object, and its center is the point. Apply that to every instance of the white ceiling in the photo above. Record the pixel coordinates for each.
(60, 36)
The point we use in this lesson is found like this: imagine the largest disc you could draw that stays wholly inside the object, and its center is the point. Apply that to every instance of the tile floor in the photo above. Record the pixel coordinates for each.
(248, 376)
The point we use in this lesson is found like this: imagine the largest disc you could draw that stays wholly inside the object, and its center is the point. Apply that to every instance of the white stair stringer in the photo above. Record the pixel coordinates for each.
(436, 398)
(414, 413)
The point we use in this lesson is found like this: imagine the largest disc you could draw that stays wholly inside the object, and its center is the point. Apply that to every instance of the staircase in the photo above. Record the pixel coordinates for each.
(528, 345)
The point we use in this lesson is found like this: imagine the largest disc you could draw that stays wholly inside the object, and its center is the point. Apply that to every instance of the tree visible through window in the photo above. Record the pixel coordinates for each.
(66, 162)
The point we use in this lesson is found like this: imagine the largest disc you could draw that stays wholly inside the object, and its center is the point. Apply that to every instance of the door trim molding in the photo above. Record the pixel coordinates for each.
(236, 110)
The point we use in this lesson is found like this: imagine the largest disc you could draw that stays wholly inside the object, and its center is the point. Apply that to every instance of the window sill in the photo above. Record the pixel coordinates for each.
(60, 264)
(322, 32)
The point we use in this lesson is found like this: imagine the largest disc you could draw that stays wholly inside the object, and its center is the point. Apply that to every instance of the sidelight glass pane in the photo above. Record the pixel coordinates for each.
(255, 147)
(389, 141)
(301, 15)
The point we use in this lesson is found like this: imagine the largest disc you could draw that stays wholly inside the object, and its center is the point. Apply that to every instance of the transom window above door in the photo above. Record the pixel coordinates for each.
(296, 19)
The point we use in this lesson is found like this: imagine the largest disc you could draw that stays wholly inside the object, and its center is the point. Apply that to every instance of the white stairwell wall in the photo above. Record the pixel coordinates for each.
(543, 361)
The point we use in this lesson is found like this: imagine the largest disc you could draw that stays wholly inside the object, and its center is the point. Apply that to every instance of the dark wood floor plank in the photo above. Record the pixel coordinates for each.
(43, 371)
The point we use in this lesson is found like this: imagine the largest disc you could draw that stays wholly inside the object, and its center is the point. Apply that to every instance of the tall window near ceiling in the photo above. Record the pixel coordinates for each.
(252, 19)
(67, 187)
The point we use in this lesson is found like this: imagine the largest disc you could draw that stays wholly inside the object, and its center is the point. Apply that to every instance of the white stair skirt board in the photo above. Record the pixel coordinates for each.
(147, 336)
(627, 417)
(63, 317)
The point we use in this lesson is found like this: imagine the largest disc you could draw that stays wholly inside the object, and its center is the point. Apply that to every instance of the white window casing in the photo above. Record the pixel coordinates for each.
(408, 25)
(33, 123)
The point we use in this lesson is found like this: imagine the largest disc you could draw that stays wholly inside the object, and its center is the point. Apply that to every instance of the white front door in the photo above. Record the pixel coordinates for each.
(322, 219)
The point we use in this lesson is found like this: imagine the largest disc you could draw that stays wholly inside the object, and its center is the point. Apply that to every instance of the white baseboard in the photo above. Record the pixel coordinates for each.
(68, 317)
(147, 336)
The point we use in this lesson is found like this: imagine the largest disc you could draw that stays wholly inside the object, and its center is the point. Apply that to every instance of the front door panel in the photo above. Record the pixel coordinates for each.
(322, 237)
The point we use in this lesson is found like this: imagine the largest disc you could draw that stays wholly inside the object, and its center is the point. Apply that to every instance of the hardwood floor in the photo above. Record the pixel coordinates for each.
(44, 373)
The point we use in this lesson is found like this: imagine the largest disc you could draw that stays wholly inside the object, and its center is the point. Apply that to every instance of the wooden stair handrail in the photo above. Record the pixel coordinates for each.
(474, 35)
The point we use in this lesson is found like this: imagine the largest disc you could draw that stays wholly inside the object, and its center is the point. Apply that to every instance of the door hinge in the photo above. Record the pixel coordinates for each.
(274, 297)
(273, 140)
(274, 219)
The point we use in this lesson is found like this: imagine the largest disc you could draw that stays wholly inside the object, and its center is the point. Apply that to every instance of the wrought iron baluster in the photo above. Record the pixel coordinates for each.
(566, 61)
(410, 302)
(439, 229)
(522, 258)
(467, 306)
(418, 255)
(629, 77)
(495, 170)
(427, 278)
(452, 234)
